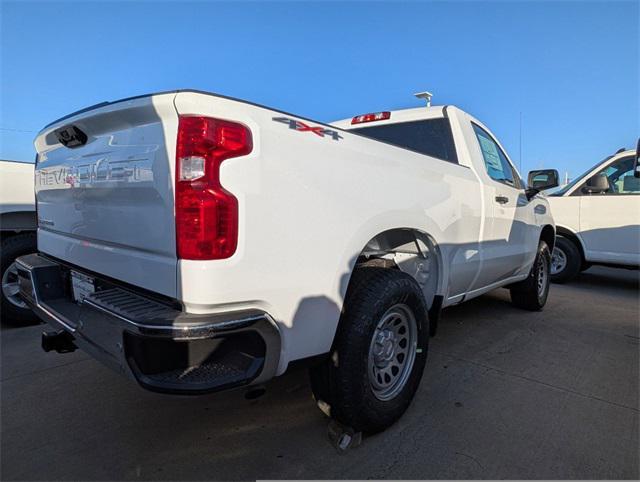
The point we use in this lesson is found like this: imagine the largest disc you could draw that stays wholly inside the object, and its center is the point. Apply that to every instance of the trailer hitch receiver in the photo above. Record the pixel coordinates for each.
(59, 341)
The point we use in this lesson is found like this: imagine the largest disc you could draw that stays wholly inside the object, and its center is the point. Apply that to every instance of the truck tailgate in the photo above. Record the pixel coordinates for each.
(106, 200)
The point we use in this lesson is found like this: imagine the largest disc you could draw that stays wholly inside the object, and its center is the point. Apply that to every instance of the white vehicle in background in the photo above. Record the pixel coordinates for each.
(597, 218)
(198, 243)
(17, 234)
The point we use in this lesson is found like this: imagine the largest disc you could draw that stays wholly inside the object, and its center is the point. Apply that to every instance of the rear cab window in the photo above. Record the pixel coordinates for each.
(431, 137)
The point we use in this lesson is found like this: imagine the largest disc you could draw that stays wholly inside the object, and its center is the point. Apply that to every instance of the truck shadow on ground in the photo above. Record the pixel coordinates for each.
(116, 430)
(101, 416)
(622, 280)
(12, 325)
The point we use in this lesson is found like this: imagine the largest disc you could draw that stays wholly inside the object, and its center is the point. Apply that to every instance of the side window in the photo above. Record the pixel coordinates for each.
(621, 178)
(495, 161)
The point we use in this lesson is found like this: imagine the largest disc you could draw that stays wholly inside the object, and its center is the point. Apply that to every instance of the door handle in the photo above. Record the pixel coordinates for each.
(502, 199)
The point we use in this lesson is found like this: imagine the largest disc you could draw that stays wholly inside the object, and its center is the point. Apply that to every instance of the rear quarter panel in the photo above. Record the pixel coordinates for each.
(308, 206)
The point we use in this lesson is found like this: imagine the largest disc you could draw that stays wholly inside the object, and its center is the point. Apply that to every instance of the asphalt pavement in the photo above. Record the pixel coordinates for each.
(506, 394)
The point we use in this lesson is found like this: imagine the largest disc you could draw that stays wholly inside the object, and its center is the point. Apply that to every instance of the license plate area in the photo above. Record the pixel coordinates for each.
(81, 286)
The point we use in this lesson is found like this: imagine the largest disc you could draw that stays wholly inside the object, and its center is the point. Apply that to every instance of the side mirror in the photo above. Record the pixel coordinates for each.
(636, 161)
(543, 179)
(540, 180)
(596, 184)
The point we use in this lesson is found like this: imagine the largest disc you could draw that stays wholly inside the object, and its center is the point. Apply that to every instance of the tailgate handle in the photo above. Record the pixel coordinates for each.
(71, 136)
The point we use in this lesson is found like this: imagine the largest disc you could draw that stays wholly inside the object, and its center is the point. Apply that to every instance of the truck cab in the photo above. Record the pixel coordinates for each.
(510, 226)
(598, 218)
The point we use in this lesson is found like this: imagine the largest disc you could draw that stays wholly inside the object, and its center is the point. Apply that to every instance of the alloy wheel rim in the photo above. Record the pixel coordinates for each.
(11, 286)
(392, 352)
(558, 261)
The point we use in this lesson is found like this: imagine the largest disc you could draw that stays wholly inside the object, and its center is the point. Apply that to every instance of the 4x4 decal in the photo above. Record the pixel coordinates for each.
(302, 127)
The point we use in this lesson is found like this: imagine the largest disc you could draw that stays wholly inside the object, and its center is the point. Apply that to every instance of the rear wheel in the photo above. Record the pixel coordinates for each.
(565, 260)
(14, 309)
(531, 294)
(379, 353)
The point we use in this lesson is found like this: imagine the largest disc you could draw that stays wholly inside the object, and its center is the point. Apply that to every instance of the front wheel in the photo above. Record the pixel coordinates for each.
(379, 353)
(531, 294)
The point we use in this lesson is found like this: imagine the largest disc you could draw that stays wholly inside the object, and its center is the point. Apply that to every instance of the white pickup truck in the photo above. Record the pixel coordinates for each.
(17, 234)
(597, 218)
(196, 243)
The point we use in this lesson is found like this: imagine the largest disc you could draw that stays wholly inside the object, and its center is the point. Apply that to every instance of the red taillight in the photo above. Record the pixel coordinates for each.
(359, 119)
(206, 214)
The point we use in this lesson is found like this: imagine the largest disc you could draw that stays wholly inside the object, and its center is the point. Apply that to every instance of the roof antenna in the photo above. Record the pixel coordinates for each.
(424, 95)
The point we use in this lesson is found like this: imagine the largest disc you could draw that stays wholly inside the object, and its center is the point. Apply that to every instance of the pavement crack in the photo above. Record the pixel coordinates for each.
(35, 372)
(472, 458)
(540, 382)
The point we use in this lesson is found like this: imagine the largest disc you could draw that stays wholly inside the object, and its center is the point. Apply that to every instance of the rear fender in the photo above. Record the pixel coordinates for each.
(406, 245)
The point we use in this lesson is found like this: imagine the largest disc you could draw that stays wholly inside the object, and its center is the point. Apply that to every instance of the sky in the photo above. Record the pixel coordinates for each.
(556, 81)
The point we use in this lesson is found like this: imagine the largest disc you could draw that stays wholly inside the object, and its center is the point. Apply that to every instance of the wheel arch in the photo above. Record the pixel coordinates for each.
(409, 250)
(548, 235)
(574, 238)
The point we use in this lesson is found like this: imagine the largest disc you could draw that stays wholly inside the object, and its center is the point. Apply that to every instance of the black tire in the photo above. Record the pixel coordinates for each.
(531, 294)
(12, 248)
(342, 384)
(573, 261)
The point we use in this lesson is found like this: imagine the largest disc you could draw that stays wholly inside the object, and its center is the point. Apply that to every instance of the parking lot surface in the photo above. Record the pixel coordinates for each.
(506, 394)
